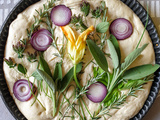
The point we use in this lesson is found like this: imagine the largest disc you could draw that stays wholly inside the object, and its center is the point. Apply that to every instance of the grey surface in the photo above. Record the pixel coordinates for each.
(154, 10)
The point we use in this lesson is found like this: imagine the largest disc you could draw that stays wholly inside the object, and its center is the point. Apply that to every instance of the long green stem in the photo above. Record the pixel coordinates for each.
(75, 77)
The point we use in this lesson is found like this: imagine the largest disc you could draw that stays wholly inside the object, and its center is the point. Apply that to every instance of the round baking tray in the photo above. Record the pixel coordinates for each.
(133, 4)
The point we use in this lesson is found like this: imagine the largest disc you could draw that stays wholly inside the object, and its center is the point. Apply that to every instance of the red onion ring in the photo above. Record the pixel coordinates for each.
(61, 15)
(41, 40)
(96, 92)
(121, 28)
(21, 90)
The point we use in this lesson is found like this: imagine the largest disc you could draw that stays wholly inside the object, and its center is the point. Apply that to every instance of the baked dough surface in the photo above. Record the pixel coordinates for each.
(116, 9)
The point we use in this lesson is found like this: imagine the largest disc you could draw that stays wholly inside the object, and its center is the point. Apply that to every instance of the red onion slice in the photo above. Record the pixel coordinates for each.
(41, 40)
(96, 92)
(121, 28)
(61, 15)
(21, 90)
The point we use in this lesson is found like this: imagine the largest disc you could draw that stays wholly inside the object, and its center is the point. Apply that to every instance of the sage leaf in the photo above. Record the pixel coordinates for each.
(114, 41)
(36, 76)
(113, 53)
(98, 55)
(44, 65)
(69, 77)
(102, 27)
(140, 71)
(132, 84)
(131, 57)
(57, 72)
(48, 79)
(22, 69)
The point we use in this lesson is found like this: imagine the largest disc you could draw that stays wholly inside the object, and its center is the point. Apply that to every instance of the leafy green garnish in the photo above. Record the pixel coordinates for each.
(140, 71)
(57, 72)
(131, 57)
(68, 77)
(114, 54)
(44, 76)
(32, 57)
(9, 62)
(102, 27)
(20, 47)
(78, 22)
(85, 8)
(98, 55)
(114, 41)
(44, 65)
(22, 69)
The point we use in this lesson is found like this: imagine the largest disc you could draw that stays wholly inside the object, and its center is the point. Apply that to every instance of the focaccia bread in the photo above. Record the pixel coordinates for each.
(116, 9)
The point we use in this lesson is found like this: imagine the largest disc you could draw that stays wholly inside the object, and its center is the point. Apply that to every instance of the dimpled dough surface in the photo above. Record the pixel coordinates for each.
(116, 9)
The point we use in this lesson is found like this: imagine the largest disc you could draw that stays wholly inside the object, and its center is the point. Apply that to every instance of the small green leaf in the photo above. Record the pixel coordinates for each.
(68, 77)
(114, 41)
(44, 76)
(102, 27)
(98, 55)
(113, 53)
(22, 69)
(57, 72)
(36, 76)
(44, 66)
(140, 71)
(132, 56)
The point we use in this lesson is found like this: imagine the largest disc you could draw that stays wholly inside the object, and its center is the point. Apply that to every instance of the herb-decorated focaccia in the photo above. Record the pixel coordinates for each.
(79, 59)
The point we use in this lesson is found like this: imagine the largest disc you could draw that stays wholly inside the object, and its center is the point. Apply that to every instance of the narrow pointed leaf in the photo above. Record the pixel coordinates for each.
(44, 76)
(131, 57)
(116, 45)
(113, 53)
(140, 71)
(98, 55)
(69, 77)
(57, 72)
(44, 65)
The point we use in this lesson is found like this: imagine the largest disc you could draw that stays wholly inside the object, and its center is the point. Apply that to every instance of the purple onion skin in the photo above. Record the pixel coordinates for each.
(61, 15)
(21, 96)
(118, 34)
(100, 96)
(45, 33)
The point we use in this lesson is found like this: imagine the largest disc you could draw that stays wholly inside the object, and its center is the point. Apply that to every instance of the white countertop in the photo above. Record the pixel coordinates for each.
(154, 7)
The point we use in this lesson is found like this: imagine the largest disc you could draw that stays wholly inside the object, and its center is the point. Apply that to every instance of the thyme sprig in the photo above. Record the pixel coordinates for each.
(78, 22)
(20, 47)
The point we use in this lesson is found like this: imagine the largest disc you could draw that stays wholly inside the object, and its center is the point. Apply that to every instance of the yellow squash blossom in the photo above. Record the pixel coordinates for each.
(76, 46)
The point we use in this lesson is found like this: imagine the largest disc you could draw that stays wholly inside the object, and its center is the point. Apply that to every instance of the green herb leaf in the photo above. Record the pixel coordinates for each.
(131, 84)
(44, 66)
(140, 71)
(131, 57)
(98, 55)
(44, 76)
(68, 77)
(57, 72)
(85, 8)
(113, 53)
(114, 41)
(102, 27)
(36, 76)
(22, 69)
